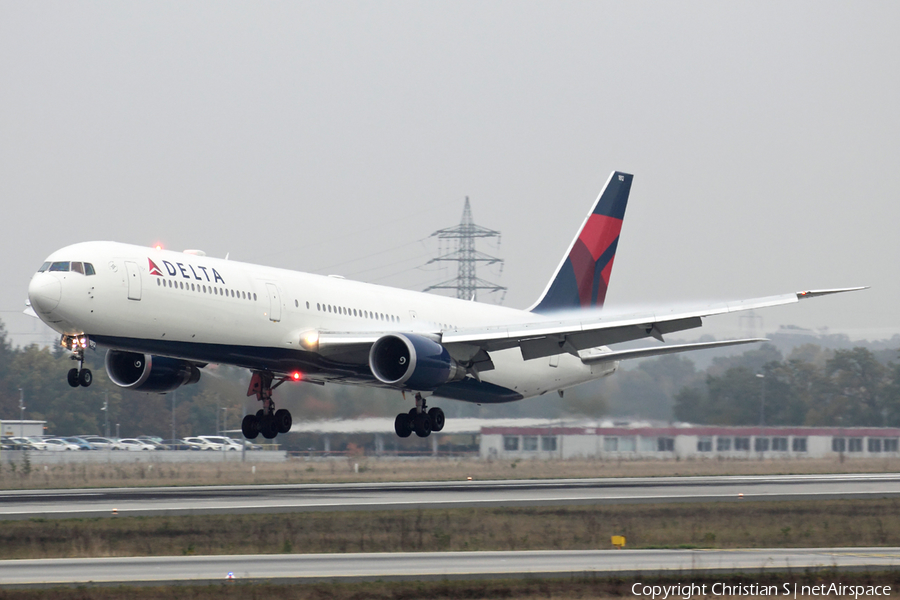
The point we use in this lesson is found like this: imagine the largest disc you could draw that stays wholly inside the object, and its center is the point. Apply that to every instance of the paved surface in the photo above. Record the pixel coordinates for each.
(434, 565)
(24, 504)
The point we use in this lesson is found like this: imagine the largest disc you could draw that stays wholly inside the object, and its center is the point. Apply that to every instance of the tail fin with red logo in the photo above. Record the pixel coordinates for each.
(582, 278)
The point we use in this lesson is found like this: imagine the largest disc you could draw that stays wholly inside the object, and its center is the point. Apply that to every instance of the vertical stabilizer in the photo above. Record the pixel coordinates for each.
(582, 278)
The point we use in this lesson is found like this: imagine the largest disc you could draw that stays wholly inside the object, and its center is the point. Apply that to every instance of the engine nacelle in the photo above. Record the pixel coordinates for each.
(148, 373)
(413, 362)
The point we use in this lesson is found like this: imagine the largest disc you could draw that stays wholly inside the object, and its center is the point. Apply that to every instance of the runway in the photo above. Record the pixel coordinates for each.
(86, 503)
(435, 565)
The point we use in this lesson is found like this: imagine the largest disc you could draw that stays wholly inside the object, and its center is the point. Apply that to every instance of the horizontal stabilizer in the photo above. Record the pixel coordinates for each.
(659, 350)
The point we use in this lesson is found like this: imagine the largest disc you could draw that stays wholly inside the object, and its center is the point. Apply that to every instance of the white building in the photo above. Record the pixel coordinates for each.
(16, 428)
(688, 442)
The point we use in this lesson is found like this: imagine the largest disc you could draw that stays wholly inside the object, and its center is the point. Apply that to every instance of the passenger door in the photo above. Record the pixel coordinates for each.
(134, 280)
(274, 302)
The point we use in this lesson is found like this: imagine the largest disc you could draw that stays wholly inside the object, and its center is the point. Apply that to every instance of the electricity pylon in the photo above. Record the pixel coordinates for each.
(467, 283)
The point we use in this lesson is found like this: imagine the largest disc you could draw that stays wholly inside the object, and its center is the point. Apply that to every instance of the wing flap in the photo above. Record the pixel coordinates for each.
(616, 355)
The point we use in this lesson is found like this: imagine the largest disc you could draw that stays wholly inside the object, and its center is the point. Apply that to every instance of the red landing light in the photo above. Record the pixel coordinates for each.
(296, 375)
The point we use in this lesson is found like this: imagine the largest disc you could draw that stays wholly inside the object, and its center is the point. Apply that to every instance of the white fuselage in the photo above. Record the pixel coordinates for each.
(205, 309)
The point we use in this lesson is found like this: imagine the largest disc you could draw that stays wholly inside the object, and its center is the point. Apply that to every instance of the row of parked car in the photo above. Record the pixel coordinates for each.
(143, 443)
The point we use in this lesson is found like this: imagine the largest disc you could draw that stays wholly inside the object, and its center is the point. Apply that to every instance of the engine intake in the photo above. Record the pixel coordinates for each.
(413, 362)
(148, 373)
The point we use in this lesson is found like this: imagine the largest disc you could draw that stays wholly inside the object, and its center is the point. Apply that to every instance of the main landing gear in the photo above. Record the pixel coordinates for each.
(77, 376)
(267, 421)
(419, 419)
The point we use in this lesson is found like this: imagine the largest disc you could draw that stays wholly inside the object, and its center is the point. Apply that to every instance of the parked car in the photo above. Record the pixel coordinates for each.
(226, 443)
(102, 443)
(157, 445)
(135, 445)
(178, 445)
(36, 443)
(59, 445)
(17, 443)
(81, 443)
(202, 444)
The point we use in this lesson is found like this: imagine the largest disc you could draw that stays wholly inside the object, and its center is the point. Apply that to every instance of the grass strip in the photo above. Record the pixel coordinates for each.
(811, 523)
(524, 589)
(30, 474)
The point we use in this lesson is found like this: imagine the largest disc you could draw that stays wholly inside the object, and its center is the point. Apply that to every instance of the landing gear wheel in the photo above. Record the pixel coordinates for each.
(250, 427)
(437, 419)
(85, 378)
(267, 427)
(283, 420)
(72, 377)
(403, 425)
(422, 425)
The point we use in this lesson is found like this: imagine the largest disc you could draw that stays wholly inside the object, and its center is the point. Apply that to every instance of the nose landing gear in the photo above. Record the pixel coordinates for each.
(267, 421)
(77, 344)
(419, 419)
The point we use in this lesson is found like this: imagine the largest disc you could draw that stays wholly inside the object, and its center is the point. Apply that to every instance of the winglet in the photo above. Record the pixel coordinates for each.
(582, 278)
(816, 293)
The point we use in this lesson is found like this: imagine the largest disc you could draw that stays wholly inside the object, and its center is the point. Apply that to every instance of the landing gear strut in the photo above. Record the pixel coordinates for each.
(419, 419)
(267, 421)
(77, 376)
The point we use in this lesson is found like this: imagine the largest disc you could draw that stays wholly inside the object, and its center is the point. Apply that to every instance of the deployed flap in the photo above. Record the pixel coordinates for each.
(661, 350)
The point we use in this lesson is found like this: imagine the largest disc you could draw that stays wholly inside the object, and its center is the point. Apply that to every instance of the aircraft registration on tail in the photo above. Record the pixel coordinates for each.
(164, 315)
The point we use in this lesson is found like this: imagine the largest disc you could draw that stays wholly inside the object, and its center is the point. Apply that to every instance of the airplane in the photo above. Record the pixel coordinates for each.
(164, 315)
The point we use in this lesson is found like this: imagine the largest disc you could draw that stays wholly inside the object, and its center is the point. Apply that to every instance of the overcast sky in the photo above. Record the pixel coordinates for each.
(334, 137)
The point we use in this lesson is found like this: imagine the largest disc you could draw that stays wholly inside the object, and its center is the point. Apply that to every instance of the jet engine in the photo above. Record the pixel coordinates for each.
(413, 362)
(148, 373)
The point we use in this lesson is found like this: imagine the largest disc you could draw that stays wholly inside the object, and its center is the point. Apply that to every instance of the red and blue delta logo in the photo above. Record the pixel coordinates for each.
(154, 270)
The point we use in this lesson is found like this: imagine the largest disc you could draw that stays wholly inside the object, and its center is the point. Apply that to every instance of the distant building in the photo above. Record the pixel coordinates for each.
(16, 428)
(688, 442)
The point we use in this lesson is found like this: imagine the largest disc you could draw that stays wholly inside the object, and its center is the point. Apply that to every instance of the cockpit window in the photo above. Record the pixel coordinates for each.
(77, 267)
(59, 266)
(44, 267)
(88, 269)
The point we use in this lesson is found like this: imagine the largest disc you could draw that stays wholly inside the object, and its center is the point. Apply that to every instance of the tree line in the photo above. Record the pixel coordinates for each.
(811, 386)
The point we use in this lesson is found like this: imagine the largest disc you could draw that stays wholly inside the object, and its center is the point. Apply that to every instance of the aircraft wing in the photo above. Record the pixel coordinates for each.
(547, 337)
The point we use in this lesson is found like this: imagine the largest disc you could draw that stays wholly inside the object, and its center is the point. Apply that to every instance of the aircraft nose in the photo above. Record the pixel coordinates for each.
(44, 291)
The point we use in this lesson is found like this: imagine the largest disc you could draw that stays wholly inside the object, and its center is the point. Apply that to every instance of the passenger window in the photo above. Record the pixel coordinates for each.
(89, 269)
(77, 268)
(44, 267)
(59, 266)
(307, 305)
